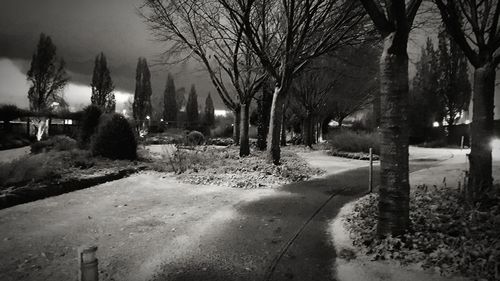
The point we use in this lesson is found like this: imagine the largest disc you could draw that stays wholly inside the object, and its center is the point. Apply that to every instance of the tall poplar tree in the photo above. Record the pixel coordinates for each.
(143, 91)
(192, 114)
(47, 77)
(102, 85)
(209, 112)
(170, 102)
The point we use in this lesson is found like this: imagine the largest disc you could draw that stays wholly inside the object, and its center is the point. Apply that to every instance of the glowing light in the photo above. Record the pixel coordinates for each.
(147, 117)
(467, 121)
(221, 112)
(495, 144)
(161, 119)
(124, 112)
(435, 124)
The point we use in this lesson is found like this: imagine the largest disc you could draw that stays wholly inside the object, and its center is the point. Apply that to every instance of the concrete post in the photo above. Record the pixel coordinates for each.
(88, 264)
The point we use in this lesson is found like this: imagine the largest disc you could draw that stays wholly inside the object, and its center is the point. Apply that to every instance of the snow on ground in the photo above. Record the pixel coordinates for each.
(450, 165)
(12, 154)
(363, 269)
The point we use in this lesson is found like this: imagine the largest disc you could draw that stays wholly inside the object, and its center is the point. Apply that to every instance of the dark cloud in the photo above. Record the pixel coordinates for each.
(81, 29)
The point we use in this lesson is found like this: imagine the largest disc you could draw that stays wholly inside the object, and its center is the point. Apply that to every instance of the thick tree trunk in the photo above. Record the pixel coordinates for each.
(264, 109)
(325, 127)
(480, 167)
(236, 126)
(283, 130)
(244, 124)
(274, 134)
(307, 131)
(393, 217)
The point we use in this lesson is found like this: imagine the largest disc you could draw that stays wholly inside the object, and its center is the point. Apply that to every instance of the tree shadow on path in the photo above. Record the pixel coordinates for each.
(249, 246)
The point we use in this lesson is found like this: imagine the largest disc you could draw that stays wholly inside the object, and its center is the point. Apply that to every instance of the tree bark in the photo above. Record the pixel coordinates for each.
(236, 125)
(264, 110)
(480, 159)
(244, 124)
(394, 180)
(283, 129)
(274, 134)
(307, 134)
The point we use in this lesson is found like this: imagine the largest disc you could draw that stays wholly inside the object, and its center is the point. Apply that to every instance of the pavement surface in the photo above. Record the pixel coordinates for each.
(150, 227)
(11, 154)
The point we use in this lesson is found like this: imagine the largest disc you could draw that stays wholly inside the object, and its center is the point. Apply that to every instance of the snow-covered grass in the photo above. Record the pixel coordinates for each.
(446, 234)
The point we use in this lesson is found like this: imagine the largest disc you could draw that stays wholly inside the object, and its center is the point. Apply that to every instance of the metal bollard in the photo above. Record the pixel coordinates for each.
(88, 264)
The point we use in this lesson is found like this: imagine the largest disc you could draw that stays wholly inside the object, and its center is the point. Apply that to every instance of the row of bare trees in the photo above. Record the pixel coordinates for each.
(243, 43)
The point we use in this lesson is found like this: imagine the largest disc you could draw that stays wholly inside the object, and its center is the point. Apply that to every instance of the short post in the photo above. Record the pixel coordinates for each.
(462, 143)
(88, 264)
(370, 172)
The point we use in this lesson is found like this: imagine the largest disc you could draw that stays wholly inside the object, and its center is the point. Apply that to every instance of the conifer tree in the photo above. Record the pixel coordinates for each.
(209, 112)
(102, 85)
(143, 91)
(192, 114)
(170, 102)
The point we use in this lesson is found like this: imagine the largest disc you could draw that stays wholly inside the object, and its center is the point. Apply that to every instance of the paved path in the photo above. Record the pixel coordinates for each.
(152, 228)
(11, 154)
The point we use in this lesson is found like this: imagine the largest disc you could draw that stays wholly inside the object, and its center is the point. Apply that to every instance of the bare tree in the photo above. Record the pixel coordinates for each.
(474, 25)
(200, 29)
(310, 92)
(286, 35)
(357, 69)
(393, 19)
(48, 78)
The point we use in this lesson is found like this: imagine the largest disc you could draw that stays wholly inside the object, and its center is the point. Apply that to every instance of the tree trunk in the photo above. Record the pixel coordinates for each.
(236, 126)
(480, 167)
(325, 127)
(307, 132)
(264, 109)
(283, 130)
(393, 217)
(273, 136)
(244, 124)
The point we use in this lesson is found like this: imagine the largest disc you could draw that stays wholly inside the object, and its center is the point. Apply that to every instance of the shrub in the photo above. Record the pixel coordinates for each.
(114, 138)
(195, 138)
(349, 141)
(9, 112)
(39, 166)
(220, 141)
(58, 143)
(89, 122)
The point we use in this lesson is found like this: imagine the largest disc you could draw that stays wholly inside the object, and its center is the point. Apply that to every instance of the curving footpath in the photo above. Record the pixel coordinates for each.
(149, 227)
